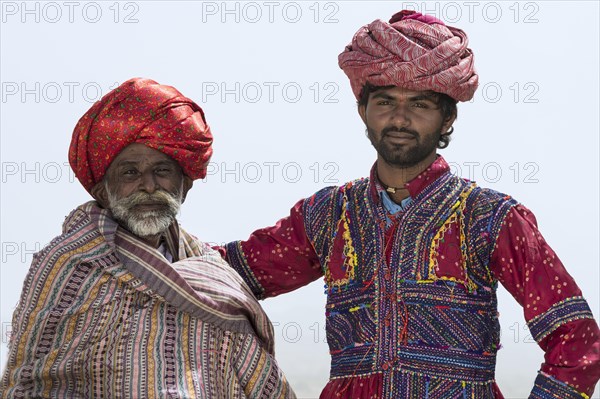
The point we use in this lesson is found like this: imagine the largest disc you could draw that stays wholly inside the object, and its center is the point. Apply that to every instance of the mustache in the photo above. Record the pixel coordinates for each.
(157, 197)
(389, 129)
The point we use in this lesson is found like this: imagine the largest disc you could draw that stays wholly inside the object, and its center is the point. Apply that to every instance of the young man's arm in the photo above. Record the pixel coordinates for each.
(276, 259)
(556, 312)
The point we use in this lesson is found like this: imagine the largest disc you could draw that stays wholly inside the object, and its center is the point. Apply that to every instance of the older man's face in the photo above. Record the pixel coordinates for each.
(144, 190)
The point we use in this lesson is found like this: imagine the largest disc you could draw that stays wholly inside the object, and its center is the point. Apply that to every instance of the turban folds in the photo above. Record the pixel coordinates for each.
(140, 111)
(414, 51)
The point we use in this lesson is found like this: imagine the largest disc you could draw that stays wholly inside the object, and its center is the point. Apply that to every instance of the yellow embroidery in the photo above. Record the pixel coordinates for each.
(350, 257)
(455, 216)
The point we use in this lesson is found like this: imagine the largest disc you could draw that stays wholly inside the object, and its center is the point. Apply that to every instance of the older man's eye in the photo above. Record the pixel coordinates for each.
(130, 172)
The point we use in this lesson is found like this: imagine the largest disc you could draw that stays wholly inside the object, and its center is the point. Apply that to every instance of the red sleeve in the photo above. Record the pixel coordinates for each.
(276, 259)
(556, 313)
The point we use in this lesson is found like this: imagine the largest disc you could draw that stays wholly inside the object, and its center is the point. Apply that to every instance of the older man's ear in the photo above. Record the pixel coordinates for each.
(187, 184)
(100, 194)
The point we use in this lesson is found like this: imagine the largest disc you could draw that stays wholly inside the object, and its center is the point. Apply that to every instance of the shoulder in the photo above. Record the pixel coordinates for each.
(63, 254)
(484, 198)
(488, 210)
(78, 242)
(336, 193)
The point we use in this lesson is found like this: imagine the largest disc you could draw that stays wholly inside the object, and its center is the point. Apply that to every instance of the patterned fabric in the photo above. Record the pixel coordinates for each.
(103, 315)
(547, 387)
(413, 51)
(560, 313)
(401, 321)
(411, 306)
(140, 111)
(410, 14)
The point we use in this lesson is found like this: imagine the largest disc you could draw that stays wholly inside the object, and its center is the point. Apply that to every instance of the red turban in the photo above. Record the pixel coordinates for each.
(140, 111)
(414, 51)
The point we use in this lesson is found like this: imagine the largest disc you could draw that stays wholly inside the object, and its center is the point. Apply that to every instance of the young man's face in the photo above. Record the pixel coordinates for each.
(404, 125)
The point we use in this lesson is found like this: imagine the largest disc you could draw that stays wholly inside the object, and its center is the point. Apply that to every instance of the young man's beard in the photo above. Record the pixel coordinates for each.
(145, 223)
(402, 156)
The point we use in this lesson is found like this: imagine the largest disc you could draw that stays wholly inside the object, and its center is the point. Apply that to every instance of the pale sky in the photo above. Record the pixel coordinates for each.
(285, 124)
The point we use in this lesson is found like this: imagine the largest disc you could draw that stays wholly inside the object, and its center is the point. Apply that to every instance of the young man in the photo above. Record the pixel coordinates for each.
(125, 303)
(412, 255)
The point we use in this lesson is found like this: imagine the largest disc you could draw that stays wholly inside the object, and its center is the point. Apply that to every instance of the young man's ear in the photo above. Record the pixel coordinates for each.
(187, 184)
(100, 194)
(362, 111)
(448, 123)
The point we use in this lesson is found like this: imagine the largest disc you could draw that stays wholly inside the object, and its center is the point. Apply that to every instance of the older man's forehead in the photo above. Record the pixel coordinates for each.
(139, 153)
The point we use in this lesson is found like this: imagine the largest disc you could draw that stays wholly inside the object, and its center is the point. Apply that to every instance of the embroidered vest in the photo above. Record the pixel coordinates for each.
(431, 310)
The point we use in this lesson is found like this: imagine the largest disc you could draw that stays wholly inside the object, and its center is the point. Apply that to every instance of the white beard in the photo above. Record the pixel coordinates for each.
(145, 223)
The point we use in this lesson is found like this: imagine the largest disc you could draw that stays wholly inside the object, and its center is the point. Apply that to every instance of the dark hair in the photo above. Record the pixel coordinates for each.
(446, 103)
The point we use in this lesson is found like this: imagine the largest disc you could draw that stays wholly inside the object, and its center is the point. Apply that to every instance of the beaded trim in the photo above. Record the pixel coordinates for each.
(237, 260)
(404, 371)
(350, 257)
(455, 215)
(548, 387)
(560, 313)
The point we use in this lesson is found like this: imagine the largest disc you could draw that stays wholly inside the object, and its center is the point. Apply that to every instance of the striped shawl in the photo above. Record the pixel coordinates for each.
(103, 315)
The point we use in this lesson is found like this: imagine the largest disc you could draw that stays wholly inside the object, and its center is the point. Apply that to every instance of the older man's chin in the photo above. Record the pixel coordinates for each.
(147, 225)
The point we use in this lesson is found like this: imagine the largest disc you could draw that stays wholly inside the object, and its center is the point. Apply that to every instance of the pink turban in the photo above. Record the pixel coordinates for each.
(140, 111)
(414, 51)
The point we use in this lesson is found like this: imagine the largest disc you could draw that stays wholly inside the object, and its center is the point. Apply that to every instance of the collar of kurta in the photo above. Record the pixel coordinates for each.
(200, 282)
(438, 168)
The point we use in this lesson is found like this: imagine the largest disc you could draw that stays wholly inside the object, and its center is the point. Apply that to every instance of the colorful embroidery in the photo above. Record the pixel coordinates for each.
(399, 318)
(343, 274)
(548, 387)
(455, 218)
(560, 313)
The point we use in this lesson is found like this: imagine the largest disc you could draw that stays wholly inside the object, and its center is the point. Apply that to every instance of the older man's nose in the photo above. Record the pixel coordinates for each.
(148, 182)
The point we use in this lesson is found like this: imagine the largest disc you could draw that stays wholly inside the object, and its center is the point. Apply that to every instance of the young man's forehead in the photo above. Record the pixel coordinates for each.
(404, 92)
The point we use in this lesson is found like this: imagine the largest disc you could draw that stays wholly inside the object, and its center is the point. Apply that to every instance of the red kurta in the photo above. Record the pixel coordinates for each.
(281, 258)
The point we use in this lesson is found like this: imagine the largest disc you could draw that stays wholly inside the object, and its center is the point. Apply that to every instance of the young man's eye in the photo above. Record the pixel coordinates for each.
(420, 105)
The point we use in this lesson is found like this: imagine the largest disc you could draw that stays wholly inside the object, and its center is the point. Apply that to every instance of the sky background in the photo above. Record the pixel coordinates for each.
(285, 125)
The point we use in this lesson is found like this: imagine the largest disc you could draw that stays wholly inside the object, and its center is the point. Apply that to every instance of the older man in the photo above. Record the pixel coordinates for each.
(412, 255)
(125, 303)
